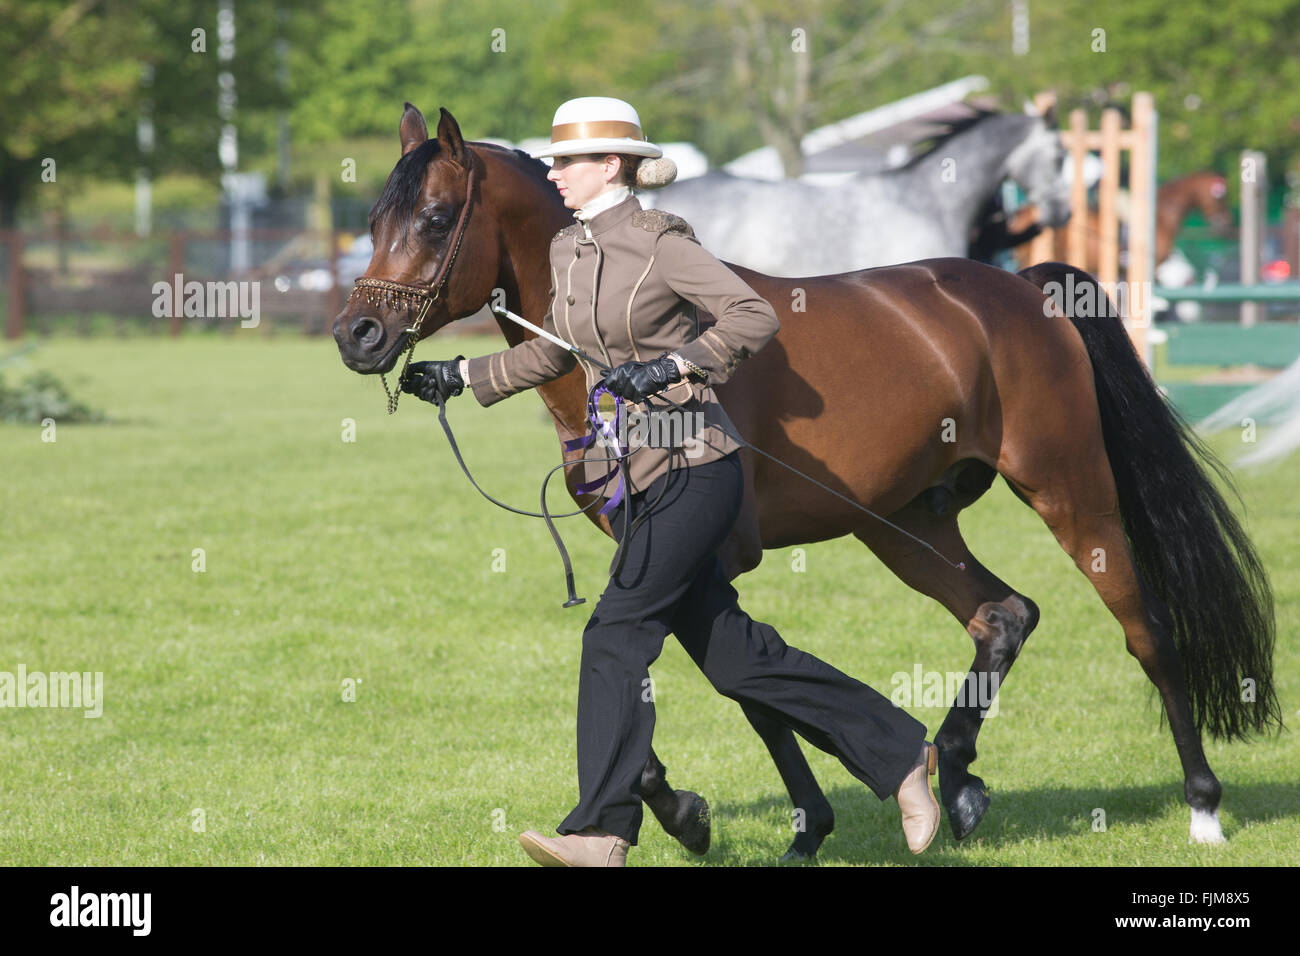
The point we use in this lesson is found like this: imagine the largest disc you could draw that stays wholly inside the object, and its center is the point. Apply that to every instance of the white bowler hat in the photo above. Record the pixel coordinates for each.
(597, 124)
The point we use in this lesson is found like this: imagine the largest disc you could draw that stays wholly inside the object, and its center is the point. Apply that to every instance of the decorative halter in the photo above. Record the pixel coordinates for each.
(393, 295)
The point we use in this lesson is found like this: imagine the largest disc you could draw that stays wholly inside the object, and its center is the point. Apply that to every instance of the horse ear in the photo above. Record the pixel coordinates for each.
(412, 129)
(450, 143)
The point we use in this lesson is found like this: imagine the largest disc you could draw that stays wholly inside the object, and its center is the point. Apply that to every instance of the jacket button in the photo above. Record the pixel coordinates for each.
(571, 300)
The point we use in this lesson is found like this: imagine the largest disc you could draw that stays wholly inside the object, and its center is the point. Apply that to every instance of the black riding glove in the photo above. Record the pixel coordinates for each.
(635, 380)
(428, 380)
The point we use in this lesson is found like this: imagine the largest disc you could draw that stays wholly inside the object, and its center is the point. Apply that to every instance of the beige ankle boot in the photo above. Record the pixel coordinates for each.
(589, 847)
(916, 800)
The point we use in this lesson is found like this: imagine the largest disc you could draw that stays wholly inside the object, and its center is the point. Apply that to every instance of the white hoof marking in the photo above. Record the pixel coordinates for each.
(1205, 828)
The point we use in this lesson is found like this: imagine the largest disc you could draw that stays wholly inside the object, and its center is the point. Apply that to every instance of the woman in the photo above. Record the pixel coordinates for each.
(626, 285)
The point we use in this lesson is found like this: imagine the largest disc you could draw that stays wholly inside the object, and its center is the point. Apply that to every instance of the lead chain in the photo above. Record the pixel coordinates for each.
(412, 336)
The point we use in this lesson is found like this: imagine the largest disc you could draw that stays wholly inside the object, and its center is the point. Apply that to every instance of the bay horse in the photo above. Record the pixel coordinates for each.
(908, 389)
(1175, 200)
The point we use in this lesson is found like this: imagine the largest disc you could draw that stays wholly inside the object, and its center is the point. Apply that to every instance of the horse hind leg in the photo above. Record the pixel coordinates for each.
(996, 617)
(1083, 513)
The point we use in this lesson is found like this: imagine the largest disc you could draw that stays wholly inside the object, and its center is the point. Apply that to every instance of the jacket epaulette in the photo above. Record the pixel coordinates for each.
(567, 232)
(656, 220)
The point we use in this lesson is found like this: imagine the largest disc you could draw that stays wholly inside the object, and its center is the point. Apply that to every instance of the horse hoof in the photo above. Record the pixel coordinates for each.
(967, 807)
(693, 824)
(804, 847)
(808, 841)
(1205, 828)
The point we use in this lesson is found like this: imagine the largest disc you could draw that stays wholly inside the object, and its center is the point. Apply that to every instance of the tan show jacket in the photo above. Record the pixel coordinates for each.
(629, 294)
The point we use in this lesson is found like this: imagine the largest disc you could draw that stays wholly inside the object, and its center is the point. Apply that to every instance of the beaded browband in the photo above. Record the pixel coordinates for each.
(390, 294)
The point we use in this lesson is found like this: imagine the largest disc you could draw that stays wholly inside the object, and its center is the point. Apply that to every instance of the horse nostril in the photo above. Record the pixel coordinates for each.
(367, 333)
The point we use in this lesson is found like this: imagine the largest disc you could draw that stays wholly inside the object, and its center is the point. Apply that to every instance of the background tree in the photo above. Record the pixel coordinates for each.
(74, 85)
(728, 76)
(68, 76)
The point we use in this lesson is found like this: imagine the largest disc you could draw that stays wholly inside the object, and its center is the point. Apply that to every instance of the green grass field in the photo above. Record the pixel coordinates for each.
(225, 736)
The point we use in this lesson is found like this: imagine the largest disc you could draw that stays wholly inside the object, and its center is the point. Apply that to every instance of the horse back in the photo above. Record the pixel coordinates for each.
(885, 377)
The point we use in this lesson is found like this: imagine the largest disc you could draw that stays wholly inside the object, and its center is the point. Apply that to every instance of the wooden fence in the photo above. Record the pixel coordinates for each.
(52, 279)
(1110, 140)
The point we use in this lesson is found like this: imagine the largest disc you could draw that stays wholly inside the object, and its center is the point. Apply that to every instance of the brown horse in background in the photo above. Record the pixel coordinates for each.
(908, 389)
(1204, 191)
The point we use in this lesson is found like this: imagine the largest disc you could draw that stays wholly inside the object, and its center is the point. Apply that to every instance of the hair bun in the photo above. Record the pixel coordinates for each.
(655, 173)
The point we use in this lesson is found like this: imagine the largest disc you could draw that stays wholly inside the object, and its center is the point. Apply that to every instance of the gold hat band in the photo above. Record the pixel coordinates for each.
(604, 129)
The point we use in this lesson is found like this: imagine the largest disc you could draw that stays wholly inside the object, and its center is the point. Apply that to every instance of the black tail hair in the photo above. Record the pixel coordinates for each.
(1193, 559)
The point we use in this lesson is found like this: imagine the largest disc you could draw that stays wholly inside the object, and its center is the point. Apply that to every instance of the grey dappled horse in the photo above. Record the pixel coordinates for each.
(929, 208)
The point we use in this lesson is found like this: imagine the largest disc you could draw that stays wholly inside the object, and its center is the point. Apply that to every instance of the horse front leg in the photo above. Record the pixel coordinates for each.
(999, 629)
(813, 817)
(683, 814)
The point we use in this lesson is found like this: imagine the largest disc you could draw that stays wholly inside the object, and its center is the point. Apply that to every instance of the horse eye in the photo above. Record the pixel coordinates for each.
(438, 223)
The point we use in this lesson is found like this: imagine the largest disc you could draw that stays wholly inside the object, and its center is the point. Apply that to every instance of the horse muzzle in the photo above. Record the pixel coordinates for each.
(365, 345)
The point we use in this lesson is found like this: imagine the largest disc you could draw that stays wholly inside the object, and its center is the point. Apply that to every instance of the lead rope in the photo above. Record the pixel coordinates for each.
(958, 565)
(545, 513)
(630, 526)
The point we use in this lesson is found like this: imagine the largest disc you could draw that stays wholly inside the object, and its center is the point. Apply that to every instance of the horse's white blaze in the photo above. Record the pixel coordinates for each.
(1205, 828)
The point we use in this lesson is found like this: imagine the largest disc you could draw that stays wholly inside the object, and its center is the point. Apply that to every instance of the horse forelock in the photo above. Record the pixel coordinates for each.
(402, 191)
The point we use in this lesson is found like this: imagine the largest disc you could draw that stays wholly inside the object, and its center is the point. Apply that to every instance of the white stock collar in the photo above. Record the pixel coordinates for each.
(606, 200)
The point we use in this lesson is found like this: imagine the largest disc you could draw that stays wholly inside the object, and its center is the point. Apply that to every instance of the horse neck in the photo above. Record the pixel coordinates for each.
(528, 213)
(980, 161)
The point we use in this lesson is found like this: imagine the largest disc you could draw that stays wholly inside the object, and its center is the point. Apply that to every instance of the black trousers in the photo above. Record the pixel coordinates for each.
(672, 581)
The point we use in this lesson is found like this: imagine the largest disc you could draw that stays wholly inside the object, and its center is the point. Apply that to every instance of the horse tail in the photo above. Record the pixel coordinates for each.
(1201, 574)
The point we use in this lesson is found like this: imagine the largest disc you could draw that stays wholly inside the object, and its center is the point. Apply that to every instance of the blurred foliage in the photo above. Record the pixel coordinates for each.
(1225, 77)
(79, 74)
(40, 396)
(730, 75)
(95, 203)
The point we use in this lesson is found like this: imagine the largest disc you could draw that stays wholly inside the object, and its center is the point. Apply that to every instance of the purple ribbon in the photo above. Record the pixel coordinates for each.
(609, 432)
